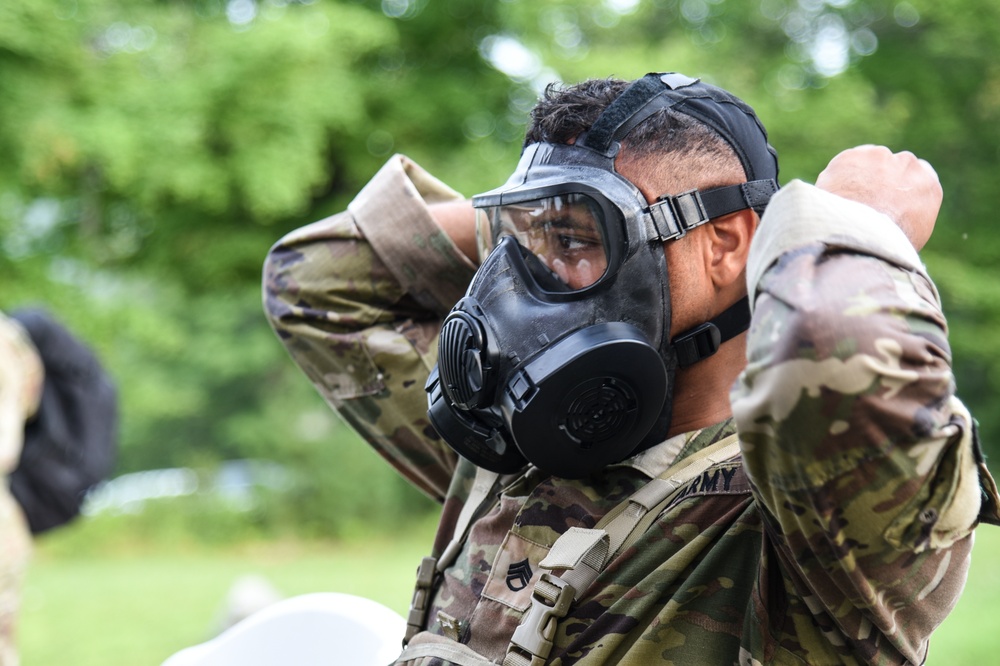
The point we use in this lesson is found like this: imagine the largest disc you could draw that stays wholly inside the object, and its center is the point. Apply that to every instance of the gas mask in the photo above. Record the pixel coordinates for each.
(559, 354)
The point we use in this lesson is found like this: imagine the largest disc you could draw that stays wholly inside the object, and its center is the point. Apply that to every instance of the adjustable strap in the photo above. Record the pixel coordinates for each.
(456, 654)
(624, 531)
(480, 496)
(700, 342)
(674, 215)
(584, 553)
(623, 520)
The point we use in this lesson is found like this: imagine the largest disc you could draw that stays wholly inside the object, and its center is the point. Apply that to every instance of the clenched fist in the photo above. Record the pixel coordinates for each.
(900, 185)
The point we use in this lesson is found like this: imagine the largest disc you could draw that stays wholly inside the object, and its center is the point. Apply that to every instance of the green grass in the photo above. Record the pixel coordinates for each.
(971, 634)
(137, 605)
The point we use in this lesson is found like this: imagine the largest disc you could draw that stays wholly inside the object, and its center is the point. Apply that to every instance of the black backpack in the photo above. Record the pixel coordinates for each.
(72, 442)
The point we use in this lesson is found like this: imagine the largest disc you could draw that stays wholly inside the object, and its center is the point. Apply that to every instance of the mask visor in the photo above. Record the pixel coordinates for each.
(565, 232)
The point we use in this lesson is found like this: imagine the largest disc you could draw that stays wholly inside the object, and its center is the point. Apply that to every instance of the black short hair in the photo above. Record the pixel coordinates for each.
(564, 112)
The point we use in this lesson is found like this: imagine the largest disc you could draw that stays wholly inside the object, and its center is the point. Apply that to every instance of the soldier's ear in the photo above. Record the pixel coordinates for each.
(729, 245)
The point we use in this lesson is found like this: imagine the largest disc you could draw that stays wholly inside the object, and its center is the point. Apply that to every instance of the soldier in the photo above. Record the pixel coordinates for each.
(640, 479)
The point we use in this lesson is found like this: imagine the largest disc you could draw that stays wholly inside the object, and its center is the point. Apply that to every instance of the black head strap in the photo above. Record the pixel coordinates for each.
(675, 215)
(640, 100)
(705, 339)
(728, 115)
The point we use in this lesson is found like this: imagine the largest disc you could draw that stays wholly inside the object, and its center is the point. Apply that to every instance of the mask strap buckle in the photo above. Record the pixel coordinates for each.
(700, 342)
(697, 343)
(675, 215)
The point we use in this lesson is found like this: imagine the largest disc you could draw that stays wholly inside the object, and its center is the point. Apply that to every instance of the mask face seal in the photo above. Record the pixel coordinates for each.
(559, 354)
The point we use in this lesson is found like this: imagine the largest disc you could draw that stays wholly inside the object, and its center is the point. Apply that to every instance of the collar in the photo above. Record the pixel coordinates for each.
(656, 459)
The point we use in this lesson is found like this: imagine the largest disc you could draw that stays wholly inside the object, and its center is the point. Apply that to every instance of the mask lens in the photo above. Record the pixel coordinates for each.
(565, 232)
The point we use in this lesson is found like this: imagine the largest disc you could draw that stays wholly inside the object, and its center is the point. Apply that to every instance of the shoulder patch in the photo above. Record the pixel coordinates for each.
(515, 572)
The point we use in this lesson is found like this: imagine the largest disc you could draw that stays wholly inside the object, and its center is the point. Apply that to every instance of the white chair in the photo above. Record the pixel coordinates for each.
(325, 628)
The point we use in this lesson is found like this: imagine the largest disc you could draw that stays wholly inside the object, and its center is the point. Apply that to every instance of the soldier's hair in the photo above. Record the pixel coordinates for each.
(564, 112)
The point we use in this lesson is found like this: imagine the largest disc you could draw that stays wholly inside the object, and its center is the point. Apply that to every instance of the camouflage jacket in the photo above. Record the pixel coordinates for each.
(842, 536)
(21, 377)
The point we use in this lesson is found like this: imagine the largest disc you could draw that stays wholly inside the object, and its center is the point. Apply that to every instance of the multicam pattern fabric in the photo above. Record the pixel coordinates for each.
(844, 537)
(21, 377)
(15, 550)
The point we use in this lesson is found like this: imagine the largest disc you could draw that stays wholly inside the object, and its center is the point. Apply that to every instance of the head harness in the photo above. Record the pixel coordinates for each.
(559, 354)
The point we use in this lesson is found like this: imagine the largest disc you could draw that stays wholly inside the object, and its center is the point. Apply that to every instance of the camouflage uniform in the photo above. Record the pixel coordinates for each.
(844, 536)
(21, 378)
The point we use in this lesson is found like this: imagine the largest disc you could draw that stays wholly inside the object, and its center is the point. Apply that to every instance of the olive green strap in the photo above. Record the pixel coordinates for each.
(479, 496)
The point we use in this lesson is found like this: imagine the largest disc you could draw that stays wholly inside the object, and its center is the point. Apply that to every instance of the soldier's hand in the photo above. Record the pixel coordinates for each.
(900, 185)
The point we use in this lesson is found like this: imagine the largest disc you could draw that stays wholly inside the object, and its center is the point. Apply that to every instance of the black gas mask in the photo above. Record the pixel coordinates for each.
(559, 354)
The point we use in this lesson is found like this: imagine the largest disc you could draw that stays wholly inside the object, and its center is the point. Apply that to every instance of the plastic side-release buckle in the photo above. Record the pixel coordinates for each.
(421, 598)
(532, 640)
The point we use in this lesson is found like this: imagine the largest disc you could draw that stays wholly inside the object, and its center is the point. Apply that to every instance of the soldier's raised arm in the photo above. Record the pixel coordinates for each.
(858, 449)
(357, 300)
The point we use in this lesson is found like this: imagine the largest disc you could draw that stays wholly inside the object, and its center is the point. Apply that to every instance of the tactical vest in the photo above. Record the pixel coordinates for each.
(573, 563)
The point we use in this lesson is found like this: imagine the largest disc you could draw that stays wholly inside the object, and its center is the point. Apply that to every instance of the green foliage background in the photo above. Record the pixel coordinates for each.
(152, 151)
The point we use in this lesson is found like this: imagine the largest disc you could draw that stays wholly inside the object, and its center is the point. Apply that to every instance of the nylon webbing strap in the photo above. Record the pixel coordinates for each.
(583, 553)
(455, 653)
(622, 521)
(730, 451)
(640, 100)
(430, 567)
(674, 215)
(700, 342)
(578, 545)
(478, 494)
(729, 199)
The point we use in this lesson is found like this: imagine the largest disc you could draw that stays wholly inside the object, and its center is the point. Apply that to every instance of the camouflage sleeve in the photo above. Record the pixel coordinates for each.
(858, 449)
(21, 378)
(357, 300)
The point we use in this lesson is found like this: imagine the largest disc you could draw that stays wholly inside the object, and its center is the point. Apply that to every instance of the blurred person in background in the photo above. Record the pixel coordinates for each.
(21, 379)
(58, 440)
